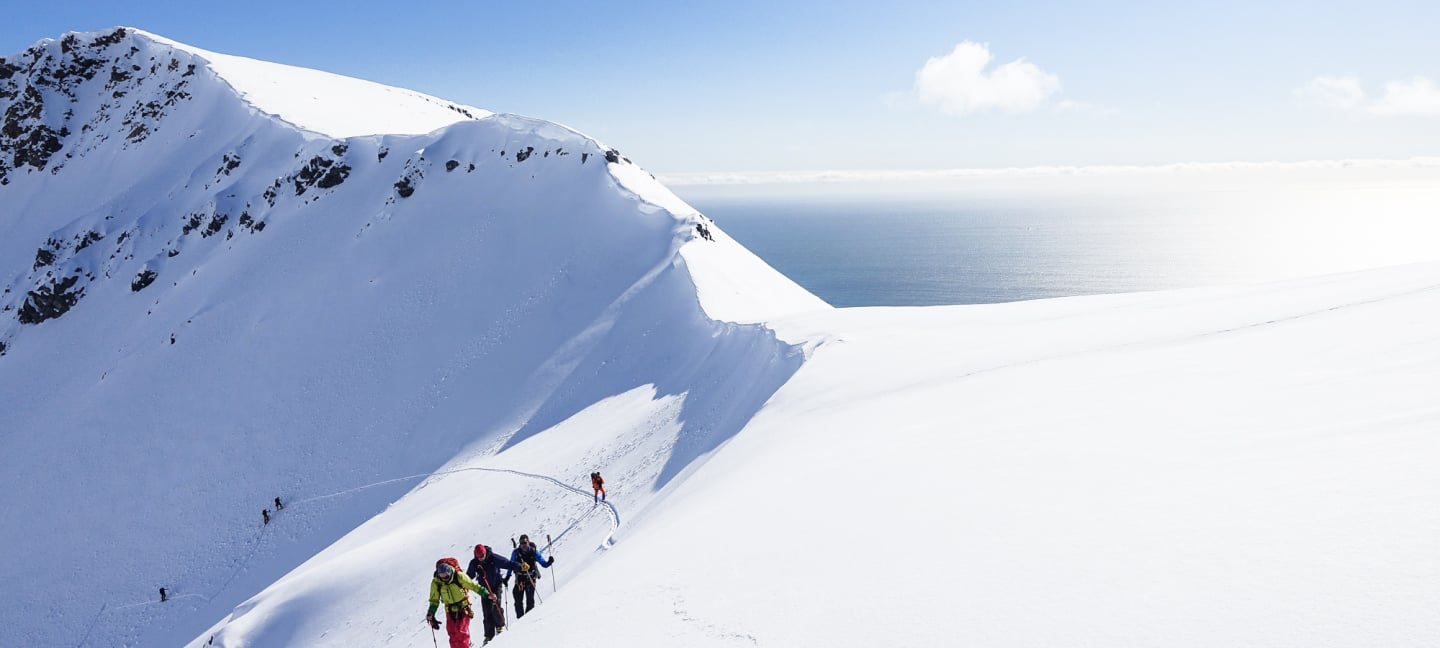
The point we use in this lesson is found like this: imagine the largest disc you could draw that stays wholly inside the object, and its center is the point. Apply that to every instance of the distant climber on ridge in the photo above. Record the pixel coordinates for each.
(598, 483)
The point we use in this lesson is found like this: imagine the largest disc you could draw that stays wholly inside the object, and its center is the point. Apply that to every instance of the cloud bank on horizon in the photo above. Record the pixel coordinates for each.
(1179, 171)
(1416, 96)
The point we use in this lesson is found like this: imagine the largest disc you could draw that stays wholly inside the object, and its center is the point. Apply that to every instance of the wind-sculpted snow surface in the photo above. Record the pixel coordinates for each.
(207, 305)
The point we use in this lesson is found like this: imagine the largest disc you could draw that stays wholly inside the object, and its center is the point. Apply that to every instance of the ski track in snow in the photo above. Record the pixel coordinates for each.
(614, 513)
(90, 629)
(1195, 336)
(255, 546)
(1323, 311)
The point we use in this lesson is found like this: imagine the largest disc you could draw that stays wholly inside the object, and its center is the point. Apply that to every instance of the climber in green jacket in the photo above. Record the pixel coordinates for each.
(448, 586)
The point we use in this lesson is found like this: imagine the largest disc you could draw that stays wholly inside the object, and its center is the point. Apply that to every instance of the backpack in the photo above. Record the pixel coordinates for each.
(526, 553)
(454, 564)
(462, 608)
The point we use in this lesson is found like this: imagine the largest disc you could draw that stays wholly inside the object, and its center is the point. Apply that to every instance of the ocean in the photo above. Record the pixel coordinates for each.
(868, 245)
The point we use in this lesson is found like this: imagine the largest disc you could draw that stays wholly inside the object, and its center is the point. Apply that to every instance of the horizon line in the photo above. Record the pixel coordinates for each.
(694, 178)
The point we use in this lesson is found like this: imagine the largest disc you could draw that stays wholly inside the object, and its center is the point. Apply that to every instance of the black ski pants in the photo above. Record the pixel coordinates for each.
(524, 595)
(494, 617)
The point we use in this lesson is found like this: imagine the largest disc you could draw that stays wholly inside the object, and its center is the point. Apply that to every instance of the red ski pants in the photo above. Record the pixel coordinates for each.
(459, 631)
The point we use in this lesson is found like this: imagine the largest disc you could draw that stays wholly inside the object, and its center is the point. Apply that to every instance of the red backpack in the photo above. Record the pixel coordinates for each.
(461, 607)
(454, 564)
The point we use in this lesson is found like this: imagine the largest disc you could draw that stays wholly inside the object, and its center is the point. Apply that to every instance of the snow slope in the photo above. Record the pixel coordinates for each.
(418, 371)
(206, 307)
(1228, 466)
(1238, 466)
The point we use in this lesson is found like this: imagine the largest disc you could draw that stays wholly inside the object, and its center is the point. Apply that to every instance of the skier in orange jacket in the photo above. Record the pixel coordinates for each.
(598, 483)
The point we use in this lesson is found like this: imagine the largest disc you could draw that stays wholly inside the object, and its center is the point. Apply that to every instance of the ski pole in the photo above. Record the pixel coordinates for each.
(550, 544)
(433, 640)
(494, 599)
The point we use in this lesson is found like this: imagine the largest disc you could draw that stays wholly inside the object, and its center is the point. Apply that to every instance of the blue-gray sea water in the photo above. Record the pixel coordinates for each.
(859, 249)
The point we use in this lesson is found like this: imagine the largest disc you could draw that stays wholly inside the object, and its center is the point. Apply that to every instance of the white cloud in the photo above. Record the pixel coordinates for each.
(1417, 96)
(1341, 93)
(959, 84)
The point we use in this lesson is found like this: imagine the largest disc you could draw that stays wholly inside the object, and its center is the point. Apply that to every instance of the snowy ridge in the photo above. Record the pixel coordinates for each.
(206, 306)
(326, 103)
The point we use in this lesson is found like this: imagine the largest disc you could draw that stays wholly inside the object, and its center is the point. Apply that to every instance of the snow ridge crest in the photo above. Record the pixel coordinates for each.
(169, 149)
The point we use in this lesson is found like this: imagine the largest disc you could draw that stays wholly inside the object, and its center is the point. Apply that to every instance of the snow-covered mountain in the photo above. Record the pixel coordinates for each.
(423, 324)
(227, 280)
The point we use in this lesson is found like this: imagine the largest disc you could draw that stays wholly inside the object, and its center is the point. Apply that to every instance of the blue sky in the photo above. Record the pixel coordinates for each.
(774, 86)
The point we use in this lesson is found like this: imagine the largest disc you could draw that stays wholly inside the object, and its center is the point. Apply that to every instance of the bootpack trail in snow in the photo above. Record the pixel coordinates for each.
(1192, 336)
(255, 545)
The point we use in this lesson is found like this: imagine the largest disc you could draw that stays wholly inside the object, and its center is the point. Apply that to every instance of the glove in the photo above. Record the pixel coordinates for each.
(434, 625)
(552, 561)
(505, 581)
